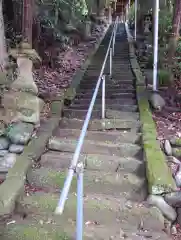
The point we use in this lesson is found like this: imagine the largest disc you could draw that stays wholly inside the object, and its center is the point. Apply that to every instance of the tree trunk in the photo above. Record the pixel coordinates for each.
(175, 31)
(3, 50)
(28, 6)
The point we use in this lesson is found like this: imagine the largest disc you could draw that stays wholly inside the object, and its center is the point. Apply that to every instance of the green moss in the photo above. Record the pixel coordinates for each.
(176, 152)
(158, 174)
(48, 203)
(178, 141)
(57, 107)
(70, 93)
(175, 141)
(163, 77)
(20, 232)
(58, 179)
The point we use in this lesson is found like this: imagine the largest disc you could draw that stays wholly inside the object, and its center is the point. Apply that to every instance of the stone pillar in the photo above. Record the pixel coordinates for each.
(22, 98)
(110, 15)
(87, 29)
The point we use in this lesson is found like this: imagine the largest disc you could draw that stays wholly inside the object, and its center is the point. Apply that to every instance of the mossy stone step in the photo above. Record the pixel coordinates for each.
(61, 160)
(108, 101)
(97, 114)
(94, 207)
(110, 86)
(122, 184)
(114, 210)
(93, 81)
(122, 75)
(112, 95)
(99, 124)
(91, 146)
(108, 91)
(32, 229)
(113, 137)
(41, 223)
(122, 115)
(80, 114)
(118, 107)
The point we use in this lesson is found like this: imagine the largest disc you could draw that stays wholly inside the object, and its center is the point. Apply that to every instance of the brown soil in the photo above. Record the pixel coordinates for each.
(50, 78)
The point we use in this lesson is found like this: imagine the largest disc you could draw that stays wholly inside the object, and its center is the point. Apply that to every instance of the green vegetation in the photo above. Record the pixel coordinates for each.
(169, 62)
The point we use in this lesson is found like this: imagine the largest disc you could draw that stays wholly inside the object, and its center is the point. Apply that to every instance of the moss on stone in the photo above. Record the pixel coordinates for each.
(158, 174)
(59, 178)
(38, 232)
(178, 141)
(56, 107)
(48, 202)
(70, 93)
(176, 152)
(175, 141)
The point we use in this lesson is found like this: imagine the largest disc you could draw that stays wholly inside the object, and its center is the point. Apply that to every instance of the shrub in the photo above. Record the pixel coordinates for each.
(163, 77)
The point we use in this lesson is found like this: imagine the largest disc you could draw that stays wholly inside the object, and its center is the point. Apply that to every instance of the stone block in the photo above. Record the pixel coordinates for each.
(26, 107)
(24, 81)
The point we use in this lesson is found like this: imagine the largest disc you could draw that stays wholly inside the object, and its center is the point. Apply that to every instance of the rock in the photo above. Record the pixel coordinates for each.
(2, 128)
(157, 101)
(20, 133)
(173, 199)
(24, 81)
(176, 152)
(3, 78)
(179, 216)
(159, 202)
(167, 148)
(174, 167)
(14, 148)
(173, 230)
(3, 153)
(26, 107)
(4, 143)
(8, 161)
(178, 178)
(173, 159)
(175, 141)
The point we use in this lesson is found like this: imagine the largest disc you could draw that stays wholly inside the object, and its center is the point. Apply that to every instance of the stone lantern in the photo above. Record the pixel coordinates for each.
(21, 97)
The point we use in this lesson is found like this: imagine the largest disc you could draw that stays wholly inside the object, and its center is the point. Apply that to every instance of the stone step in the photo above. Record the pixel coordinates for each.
(80, 114)
(113, 136)
(111, 95)
(110, 86)
(115, 92)
(93, 81)
(96, 162)
(122, 75)
(96, 147)
(115, 66)
(46, 225)
(63, 230)
(118, 107)
(108, 101)
(96, 206)
(124, 71)
(100, 125)
(121, 184)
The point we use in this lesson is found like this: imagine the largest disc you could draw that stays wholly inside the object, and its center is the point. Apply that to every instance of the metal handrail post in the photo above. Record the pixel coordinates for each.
(80, 211)
(110, 62)
(113, 43)
(103, 96)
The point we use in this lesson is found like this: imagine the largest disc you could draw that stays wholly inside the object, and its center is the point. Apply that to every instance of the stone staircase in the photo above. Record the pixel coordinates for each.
(114, 180)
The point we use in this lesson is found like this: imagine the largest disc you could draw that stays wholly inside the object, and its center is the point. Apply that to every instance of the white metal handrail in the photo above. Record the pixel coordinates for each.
(76, 167)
